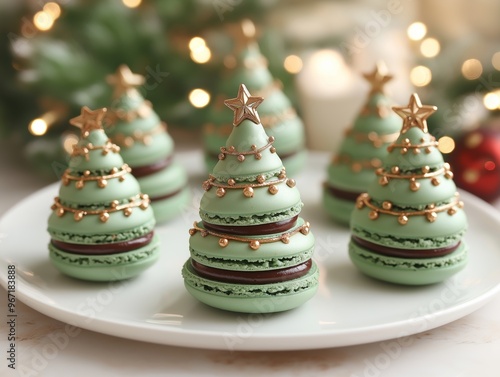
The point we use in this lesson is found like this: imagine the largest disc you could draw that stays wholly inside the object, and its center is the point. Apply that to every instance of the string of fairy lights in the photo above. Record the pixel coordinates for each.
(199, 52)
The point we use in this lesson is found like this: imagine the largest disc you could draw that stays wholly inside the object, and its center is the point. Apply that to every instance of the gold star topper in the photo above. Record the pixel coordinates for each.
(415, 114)
(124, 80)
(378, 78)
(244, 106)
(89, 120)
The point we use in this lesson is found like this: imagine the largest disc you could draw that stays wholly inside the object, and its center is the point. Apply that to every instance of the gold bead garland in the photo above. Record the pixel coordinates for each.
(241, 155)
(84, 151)
(102, 180)
(414, 185)
(430, 212)
(142, 112)
(357, 165)
(253, 243)
(140, 200)
(406, 146)
(248, 188)
(373, 137)
(144, 137)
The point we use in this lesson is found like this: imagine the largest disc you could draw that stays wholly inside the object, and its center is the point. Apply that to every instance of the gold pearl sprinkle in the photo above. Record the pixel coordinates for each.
(395, 170)
(431, 217)
(104, 217)
(79, 185)
(231, 149)
(384, 181)
(387, 205)
(272, 150)
(223, 242)
(192, 232)
(414, 186)
(231, 182)
(114, 203)
(222, 156)
(435, 181)
(207, 185)
(428, 150)
(248, 192)
(253, 147)
(403, 220)
(285, 239)
(127, 212)
(426, 169)
(373, 215)
(121, 178)
(78, 215)
(258, 156)
(102, 183)
(241, 158)
(261, 179)
(416, 150)
(271, 139)
(360, 204)
(114, 170)
(273, 189)
(254, 245)
(220, 192)
(452, 211)
(404, 150)
(460, 204)
(305, 230)
(144, 204)
(448, 175)
(290, 182)
(86, 173)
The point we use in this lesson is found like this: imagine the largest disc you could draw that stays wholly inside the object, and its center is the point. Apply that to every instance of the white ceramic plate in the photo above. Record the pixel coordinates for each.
(348, 309)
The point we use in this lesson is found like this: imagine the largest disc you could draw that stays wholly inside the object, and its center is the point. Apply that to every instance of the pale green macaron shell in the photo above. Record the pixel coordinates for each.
(170, 181)
(234, 208)
(341, 175)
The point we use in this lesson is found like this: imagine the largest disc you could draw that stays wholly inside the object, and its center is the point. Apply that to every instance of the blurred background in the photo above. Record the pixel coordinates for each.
(55, 56)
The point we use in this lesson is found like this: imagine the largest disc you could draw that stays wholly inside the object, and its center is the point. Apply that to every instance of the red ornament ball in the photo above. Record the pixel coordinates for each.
(476, 163)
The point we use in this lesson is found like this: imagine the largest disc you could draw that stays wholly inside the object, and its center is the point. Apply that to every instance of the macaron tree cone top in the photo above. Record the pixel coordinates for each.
(408, 227)
(146, 145)
(101, 225)
(277, 114)
(251, 251)
(362, 150)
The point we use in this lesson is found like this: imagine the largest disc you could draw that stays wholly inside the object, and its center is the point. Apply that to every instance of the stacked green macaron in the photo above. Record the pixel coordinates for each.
(251, 251)
(277, 113)
(362, 150)
(101, 225)
(146, 146)
(408, 227)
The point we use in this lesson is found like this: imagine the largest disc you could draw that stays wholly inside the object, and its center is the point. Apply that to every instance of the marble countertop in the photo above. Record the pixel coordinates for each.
(466, 347)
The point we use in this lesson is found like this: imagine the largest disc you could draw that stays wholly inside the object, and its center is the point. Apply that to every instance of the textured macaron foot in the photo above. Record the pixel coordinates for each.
(408, 271)
(251, 298)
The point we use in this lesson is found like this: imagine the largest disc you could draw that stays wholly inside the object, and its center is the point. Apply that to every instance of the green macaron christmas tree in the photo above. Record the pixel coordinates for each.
(277, 114)
(408, 227)
(146, 146)
(101, 225)
(362, 150)
(251, 252)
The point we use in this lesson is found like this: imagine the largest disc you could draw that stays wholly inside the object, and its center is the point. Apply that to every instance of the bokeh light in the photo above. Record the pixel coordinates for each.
(53, 9)
(446, 144)
(430, 47)
(492, 100)
(199, 98)
(132, 3)
(38, 127)
(495, 60)
(43, 21)
(420, 76)
(293, 64)
(69, 141)
(472, 69)
(416, 31)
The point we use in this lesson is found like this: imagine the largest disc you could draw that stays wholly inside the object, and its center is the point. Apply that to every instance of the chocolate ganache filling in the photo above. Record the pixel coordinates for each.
(104, 248)
(252, 277)
(143, 171)
(253, 230)
(404, 253)
(342, 194)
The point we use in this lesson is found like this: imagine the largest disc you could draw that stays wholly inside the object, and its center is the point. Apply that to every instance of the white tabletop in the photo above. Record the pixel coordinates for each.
(46, 347)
